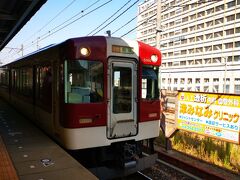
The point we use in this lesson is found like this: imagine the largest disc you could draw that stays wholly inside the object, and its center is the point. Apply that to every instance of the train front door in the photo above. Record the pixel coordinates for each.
(122, 95)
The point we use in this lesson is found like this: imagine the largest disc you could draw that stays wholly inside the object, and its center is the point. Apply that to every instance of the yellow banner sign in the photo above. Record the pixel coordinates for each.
(215, 115)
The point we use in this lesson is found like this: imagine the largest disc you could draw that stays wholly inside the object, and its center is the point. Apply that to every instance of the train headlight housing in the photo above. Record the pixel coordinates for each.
(85, 51)
(154, 58)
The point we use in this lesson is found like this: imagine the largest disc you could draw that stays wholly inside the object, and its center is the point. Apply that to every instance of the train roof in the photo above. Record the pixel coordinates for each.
(73, 40)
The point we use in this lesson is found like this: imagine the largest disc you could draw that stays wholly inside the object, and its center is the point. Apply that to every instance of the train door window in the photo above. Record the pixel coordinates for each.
(83, 81)
(13, 80)
(122, 90)
(4, 77)
(150, 89)
(44, 87)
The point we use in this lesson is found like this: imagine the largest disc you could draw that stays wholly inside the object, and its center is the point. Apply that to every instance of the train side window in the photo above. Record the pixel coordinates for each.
(150, 89)
(83, 81)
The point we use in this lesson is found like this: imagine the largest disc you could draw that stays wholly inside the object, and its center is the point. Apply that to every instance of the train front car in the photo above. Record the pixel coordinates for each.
(111, 101)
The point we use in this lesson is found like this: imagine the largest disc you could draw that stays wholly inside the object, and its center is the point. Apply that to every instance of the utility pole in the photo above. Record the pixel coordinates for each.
(158, 28)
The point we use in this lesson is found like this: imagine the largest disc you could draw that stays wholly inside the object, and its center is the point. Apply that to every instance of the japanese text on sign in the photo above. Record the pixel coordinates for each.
(217, 115)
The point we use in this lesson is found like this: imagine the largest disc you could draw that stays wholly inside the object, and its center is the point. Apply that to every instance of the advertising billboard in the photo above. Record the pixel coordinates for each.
(214, 115)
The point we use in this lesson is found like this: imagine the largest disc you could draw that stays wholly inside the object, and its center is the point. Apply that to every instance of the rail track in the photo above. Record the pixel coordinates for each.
(175, 165)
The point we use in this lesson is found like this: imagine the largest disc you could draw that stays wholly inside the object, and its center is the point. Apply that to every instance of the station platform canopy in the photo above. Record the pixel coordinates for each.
(14, 14)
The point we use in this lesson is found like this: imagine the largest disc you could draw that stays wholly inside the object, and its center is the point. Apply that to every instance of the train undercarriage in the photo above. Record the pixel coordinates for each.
(118, 160)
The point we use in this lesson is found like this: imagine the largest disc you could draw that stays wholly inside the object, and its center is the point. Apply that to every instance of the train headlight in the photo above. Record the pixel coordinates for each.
(85, 51)
(154, 58)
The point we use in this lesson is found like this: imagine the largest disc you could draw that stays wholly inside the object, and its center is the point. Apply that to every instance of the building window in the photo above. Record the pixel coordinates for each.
(228, 45)
(220, 8)
(184, 30)
(218, 34)
(237, 30)
(175, 80)
(186, 7)
(197, 80)
(231, 4)
(230, 18)
(189, 81)
(182, 80)
(192, 39)
(219, 21)
(198, 61)
(183, 52)
(200, 26)
(226, 88)
(217, 47)
(190, 62)
(215, 79)
(210, 11)
(206, 88)
(230, 31)
(237, 44)
(184, 41)
(193, 16)
(185, 19)
(216, 60)
(201, 14)
(209, 36)
(215, 88)
(208, 48)
(172, 13)
(237, 89)
(199, 50)
(229, 59)
(209, 23)
(238, 16)
(237, 58)
(199, 38)
(183, 63)
(191, 51)
(171, 24)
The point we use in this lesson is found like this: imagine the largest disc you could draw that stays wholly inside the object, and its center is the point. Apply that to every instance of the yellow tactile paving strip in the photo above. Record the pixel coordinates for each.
(7, 170)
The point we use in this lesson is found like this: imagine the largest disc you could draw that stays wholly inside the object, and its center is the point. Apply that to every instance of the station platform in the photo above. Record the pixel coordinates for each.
(26, 153)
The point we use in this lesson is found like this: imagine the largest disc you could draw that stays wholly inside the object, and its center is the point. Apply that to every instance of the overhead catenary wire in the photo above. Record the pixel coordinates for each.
(82, 11)
(109, 17)
(116, 17)
(45, 25)
(132, 19)
(77, 19)
(139, 25)
(49, 34)
(168, 7)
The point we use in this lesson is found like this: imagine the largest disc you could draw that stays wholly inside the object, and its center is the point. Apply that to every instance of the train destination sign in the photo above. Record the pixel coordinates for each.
(214, 115)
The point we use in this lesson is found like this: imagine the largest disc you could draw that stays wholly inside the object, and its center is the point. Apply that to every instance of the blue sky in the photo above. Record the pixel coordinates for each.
(36, 28)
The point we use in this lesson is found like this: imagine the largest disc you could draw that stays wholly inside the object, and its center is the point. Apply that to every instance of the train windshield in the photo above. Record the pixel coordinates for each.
(150, 89)
(83, 81)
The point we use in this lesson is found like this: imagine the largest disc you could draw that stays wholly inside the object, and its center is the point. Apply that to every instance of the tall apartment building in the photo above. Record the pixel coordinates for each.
(147, 22)
(200, 43)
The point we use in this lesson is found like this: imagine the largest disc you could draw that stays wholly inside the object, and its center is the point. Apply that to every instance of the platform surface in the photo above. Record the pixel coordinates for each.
(26, 153)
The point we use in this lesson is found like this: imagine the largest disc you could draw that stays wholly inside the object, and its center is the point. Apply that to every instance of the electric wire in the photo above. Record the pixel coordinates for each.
(116, 17)
(58, 14)
(132, 19)
(76, 19)
(109, 17)
(80, 12)
(139, 25)
(168, 7)
(36, 41)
